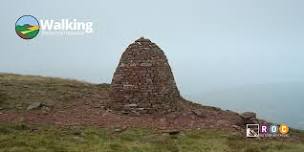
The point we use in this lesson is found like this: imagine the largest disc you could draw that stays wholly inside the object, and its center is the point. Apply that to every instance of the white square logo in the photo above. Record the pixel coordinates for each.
(252, 130)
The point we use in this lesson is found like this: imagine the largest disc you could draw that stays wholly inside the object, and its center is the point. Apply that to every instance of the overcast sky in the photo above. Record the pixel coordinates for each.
(210, 44)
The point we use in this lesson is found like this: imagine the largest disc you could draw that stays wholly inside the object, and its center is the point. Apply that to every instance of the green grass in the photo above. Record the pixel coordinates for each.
(21, 28)
(25, 28)
(32, 34)
(21, 90)
(21, 138)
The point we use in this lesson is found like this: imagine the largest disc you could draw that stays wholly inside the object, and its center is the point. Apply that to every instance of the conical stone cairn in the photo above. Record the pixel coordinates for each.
(143, 82)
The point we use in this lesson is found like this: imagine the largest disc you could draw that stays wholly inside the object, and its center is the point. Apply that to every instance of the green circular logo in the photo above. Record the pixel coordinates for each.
(27, 27)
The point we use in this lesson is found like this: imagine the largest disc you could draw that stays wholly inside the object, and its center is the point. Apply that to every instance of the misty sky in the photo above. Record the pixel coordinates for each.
(210, 44)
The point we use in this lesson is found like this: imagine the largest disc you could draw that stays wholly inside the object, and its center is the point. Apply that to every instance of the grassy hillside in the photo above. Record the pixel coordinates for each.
(21, 138)
(18, 91)
(27, 31)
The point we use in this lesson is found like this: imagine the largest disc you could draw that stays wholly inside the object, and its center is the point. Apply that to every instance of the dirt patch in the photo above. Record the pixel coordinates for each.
(94, 114)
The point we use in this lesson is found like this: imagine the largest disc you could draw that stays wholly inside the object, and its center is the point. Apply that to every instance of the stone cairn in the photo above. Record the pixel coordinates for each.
(143, 82)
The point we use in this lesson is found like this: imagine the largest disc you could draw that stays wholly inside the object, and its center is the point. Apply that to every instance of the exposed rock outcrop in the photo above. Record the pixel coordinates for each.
(249, 117)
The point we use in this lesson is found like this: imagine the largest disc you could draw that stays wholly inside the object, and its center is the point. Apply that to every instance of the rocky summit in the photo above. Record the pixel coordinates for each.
(143, 81)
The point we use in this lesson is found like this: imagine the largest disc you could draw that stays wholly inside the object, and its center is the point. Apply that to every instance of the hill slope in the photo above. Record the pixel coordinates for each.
(21, 138)
(36, 100)
(19, 91)
(53, 114)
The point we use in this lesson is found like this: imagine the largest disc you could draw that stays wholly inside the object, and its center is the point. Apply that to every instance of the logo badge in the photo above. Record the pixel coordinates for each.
(27, 27)
(283, 129)
(264, 129)
(252, 130)
(273, 129)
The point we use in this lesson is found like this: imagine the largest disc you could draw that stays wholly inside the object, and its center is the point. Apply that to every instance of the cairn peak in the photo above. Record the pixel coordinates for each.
(142, 39)
(143, 81)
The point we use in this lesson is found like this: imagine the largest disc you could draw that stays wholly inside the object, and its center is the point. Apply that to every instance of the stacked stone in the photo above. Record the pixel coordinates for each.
(143, 81)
